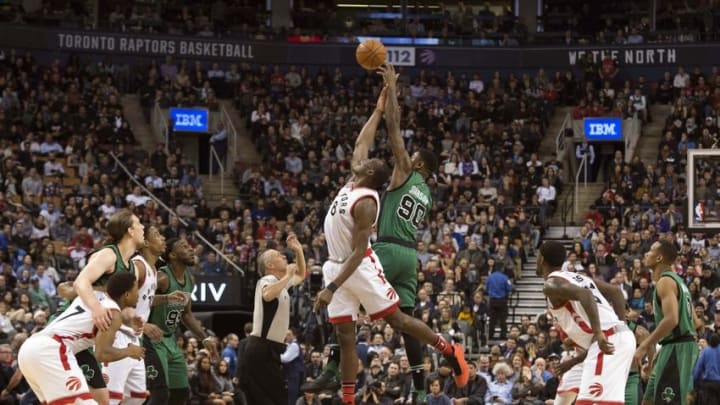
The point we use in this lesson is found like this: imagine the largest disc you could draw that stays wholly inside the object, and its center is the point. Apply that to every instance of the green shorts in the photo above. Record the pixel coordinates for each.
(671, 378)
(400, 267)
(173, 363)
(632, 389)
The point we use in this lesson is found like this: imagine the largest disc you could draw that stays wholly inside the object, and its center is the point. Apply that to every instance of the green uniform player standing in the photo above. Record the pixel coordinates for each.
(168, 315)
(126, 236)
(671, 377)
(403, 209)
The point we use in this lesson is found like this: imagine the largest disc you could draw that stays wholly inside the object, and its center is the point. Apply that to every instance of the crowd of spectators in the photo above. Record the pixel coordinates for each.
(451, 23)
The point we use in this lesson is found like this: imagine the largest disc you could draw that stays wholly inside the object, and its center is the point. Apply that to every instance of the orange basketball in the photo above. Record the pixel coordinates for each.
(371, 54)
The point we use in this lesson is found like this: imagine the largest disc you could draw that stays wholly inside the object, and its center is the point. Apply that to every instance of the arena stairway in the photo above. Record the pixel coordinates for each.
(528, 298)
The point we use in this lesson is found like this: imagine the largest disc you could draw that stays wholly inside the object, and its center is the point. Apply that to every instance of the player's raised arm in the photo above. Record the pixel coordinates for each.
(364, 213)
(98, 265)
(560, 291)
(367, 134)
(403, 165)
(104, 350)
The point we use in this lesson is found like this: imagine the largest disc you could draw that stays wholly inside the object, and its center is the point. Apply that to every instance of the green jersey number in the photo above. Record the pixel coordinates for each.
(173, 318)
(411, 211)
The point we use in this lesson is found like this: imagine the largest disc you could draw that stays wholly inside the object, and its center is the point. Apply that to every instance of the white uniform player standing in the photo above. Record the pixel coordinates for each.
(47, 358)
(582, 311)
(126, 378)
(367, 285)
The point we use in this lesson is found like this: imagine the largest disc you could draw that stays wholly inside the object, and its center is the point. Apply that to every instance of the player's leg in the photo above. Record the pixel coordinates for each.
(156, 378)
(348, 360)
(381, 301)
(177, 372)
(632, 389)
(118, 371)
(605, 376)
(652, 389)
(53, 372)
(399, 264)
(93, 376)
(135, 385)
(569, 386)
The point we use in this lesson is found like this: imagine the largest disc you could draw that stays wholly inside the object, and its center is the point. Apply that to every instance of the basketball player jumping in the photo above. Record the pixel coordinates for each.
(353, 274)
(405, 205)
(582, 311)
(47, 358)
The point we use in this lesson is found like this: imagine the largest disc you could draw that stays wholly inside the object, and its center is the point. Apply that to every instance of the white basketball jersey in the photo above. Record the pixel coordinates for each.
(573, 319)
(75, 326)
(339, 221)
(146, 292)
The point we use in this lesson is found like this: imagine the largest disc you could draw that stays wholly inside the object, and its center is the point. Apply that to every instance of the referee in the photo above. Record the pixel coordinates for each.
(263, 378)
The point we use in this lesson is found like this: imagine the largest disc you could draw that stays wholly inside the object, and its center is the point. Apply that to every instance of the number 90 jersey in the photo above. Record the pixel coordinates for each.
(339, 221)
(167, 316)
(573, 319)
(404, 209)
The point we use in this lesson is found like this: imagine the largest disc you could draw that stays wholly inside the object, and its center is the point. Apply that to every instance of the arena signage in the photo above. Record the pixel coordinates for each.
(99, 44)
(632, 56)
(190, 119)
(603, 129)
(216, 291)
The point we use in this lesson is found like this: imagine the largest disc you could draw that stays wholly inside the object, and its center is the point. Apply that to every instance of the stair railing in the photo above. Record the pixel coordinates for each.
(159, 202)
(567, 211)
(227, 121)
(583, 168)
(214, 158)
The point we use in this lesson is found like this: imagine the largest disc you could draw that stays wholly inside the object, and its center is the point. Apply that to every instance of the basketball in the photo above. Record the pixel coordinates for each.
(371, 54)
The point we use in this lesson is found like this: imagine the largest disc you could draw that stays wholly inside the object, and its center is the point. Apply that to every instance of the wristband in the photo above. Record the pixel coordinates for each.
(332, 287)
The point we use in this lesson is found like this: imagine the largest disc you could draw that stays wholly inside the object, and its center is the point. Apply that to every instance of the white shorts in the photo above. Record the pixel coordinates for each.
(605, 376)
(367, 286)
(126, 377)
(52, 371)
(570, 381)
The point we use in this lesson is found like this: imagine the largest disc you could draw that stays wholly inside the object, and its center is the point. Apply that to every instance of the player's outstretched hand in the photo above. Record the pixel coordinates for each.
(135, 352)
(387, 71)
(102, 318)
(605, 346)
(322, 300)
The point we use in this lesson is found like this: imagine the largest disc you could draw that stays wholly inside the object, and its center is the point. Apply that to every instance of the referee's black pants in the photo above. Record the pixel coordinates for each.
(263, 377)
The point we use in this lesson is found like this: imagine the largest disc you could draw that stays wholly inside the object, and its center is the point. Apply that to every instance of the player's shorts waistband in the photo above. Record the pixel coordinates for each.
(616, 329)
(396, 241)
(679, 339)
(369, 252)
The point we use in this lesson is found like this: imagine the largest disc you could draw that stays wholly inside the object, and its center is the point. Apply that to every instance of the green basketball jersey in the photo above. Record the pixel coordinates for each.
(119, 266)
(403, 209)
(685, 326)
(167, 316)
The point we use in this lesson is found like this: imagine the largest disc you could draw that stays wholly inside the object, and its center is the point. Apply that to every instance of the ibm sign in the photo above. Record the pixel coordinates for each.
(603, 129)
(190, 119)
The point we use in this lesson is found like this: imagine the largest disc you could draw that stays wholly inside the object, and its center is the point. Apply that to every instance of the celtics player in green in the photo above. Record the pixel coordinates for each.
(403, 209)
(126, 236)
(671, 379)
(167, 317)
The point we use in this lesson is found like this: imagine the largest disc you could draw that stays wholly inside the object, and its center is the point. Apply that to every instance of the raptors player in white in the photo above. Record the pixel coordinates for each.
(353, 274)
(47, 358)
(582, 310)
(126, 378)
